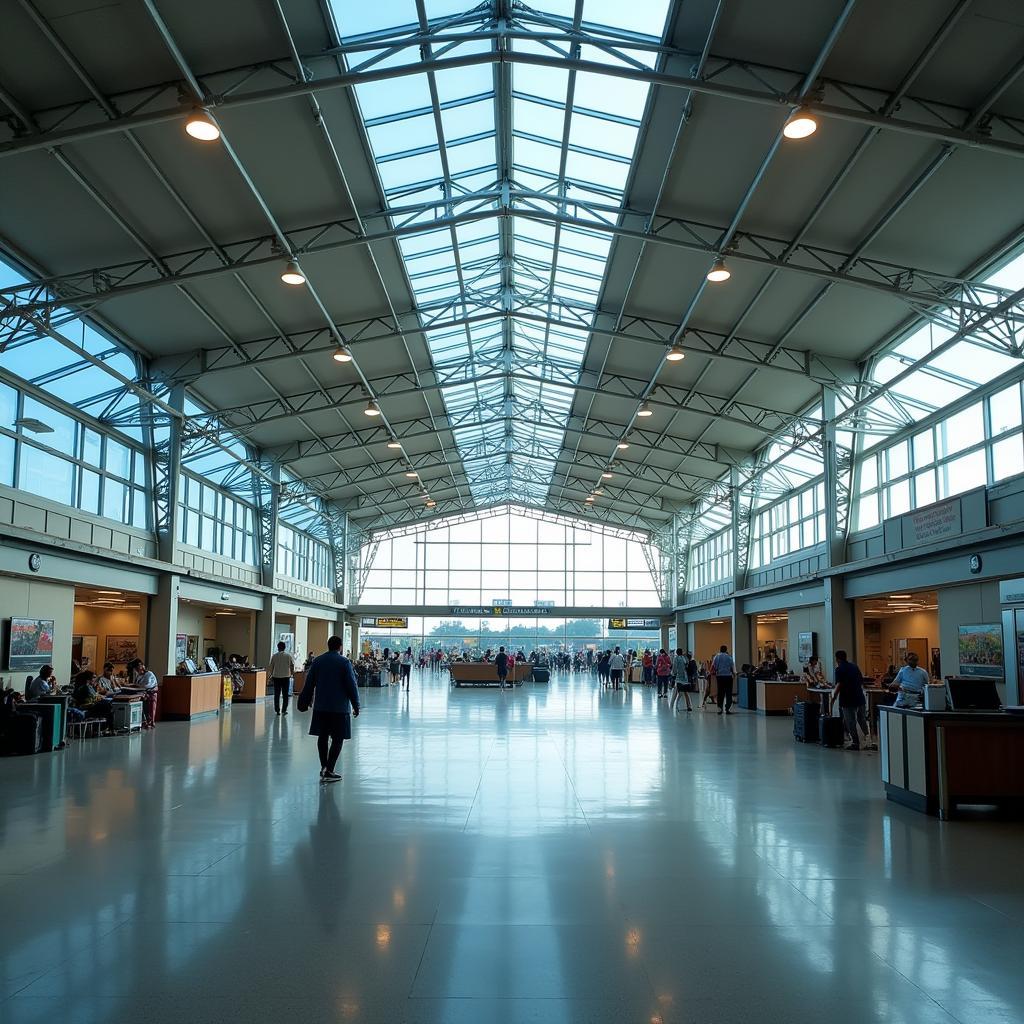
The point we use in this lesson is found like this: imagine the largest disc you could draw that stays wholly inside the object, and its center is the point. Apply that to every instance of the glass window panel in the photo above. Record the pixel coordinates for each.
(869, 473)
(962, 430)
(8, 404)
(1007, 457)
(118, 459)
(140, 517)
(963, 474)
(898, 498)
(896, 460)
(924, 448)
(90, 500)
(92, 444)
(46, 475)
(867, 512)
(1004, 410)
(114, 499)
(924, 488)
(6, 460)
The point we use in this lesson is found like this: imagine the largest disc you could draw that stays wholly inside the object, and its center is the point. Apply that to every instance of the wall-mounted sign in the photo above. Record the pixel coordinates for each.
(625, 623)
(383, 622)
(975, 564)
(499, 609)
(501, 602)
(934, 522)
(543, 604)
(806, 646)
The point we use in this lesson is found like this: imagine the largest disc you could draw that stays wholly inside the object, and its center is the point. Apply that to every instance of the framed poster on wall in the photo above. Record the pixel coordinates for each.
(980, 650)
(806, 644)
(288, 639)
(192, 647)
(29, 644)
(180, 648)
(83, 650)
(122, 649)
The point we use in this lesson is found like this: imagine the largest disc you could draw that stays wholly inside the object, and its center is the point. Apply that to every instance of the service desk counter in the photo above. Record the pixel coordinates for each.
(183, 698)
(776, 698)
(254, 687)
(937, 761)
(483, 673)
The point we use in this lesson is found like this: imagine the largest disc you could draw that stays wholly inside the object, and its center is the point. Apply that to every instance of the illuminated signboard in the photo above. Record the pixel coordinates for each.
(383, 622)
(499, 609)
(623, 623)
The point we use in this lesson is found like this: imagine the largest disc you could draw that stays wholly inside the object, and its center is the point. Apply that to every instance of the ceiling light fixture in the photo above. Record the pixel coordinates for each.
(897, 597)
(342, 354)
(372, 408)
(201, 126)
(31, 423)
(607, 474)
(675, 353)
(292, 275)
(395, 444)
(430, 503)
(801, 124)
(590, 497)
(645, 409)
(622, 445)
(412, 474)
(719, 271)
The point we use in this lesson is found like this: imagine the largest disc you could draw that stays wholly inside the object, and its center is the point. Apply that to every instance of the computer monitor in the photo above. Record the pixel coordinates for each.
(967, 694)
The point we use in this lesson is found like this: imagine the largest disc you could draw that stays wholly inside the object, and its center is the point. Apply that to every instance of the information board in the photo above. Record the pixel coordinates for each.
(498, 609)
(626, 623)
(383, 622)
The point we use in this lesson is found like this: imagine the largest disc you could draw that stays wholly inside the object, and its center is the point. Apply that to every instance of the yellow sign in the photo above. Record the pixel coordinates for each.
(616, 623)
(394, 622)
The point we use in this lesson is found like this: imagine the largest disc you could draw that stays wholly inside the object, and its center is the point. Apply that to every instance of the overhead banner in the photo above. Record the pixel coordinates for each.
(634, 623)
(497, 609)
(383, 622)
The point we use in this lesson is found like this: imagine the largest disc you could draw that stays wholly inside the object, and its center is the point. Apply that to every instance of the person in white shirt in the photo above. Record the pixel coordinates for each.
(812, 674)
(616, 665)
(723, 668)
(911, 681)
(282, 668)
(144, 680)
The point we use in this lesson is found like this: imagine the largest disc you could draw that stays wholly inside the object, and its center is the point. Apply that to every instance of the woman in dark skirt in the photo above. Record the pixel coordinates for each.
(331, 690)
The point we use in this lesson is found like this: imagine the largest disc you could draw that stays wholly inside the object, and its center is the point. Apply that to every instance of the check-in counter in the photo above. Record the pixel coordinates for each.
(183, 698)
(776, 698)
(483, 673)
(937, 761)
(254, 687)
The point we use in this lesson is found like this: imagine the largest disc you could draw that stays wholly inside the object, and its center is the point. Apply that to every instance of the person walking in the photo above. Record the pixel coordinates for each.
(663, 670)
(616, 665)
(680, 672)
(501, 665)
(282, 668)
(648, 666)
(406, 667)
(724, 668)
(332, 692)
(849, 691)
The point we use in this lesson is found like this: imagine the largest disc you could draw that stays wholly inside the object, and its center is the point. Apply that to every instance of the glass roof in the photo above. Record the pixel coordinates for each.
(520, 136)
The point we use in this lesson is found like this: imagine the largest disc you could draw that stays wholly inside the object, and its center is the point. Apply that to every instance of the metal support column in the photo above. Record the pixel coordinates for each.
(165, 449)
(838, 462)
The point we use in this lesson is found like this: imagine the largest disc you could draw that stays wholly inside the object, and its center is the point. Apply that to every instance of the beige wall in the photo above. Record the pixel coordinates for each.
(34, 599)
(316, 638)
(708, 637)
(236, 634)
(808, 620)
(969, 605)
(104, 622)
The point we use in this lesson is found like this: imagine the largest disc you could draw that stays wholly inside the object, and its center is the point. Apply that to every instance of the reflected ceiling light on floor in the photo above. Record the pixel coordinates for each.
(719, 271)
(645, 409)
(675, 353)
(201, 126)
(372, 408)
(801, 123)
(292, 275)
(342, 354)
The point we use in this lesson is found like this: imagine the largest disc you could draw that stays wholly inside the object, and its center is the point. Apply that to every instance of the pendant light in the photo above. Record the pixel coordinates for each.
(622, 445)
(645, 409)
(201, 126)
(719, 271)
(800, 125)
(292, 275)
(395, 444)
(372, 408)
(342, 354)
(675, 354)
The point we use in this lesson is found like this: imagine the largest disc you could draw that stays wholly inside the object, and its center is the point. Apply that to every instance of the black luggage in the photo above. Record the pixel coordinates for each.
(805, 721)
(26, 733)
(374, 678)
(831, 731)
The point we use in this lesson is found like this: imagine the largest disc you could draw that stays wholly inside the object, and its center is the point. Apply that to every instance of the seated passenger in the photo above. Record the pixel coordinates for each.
(87, 699)
(812, 674)
(107, 684)
(144, 680)
(44, 684)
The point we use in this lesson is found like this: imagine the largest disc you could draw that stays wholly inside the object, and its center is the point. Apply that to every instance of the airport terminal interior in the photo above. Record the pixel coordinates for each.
(512, 512)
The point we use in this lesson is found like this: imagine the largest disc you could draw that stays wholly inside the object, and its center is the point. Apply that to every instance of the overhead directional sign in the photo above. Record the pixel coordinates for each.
(499, 609)
(625, 623)
(384, 622)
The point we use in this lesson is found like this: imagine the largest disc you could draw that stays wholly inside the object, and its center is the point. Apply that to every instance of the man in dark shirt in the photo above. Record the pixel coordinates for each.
(501, 664)
(331, 690)
(849, 691)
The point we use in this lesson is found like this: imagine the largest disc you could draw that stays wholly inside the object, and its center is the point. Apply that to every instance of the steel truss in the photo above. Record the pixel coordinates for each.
(949, 301)
(279, 79)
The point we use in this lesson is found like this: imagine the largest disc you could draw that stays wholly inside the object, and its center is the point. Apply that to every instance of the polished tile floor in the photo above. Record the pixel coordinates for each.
(552, 854)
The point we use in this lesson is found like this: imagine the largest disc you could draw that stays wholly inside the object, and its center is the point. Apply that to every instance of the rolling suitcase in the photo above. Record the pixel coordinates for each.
(805, 721)
(831, 731)
(26, 733)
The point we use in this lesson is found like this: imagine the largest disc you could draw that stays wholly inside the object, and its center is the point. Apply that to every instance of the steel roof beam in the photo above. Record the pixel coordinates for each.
(226, 90)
